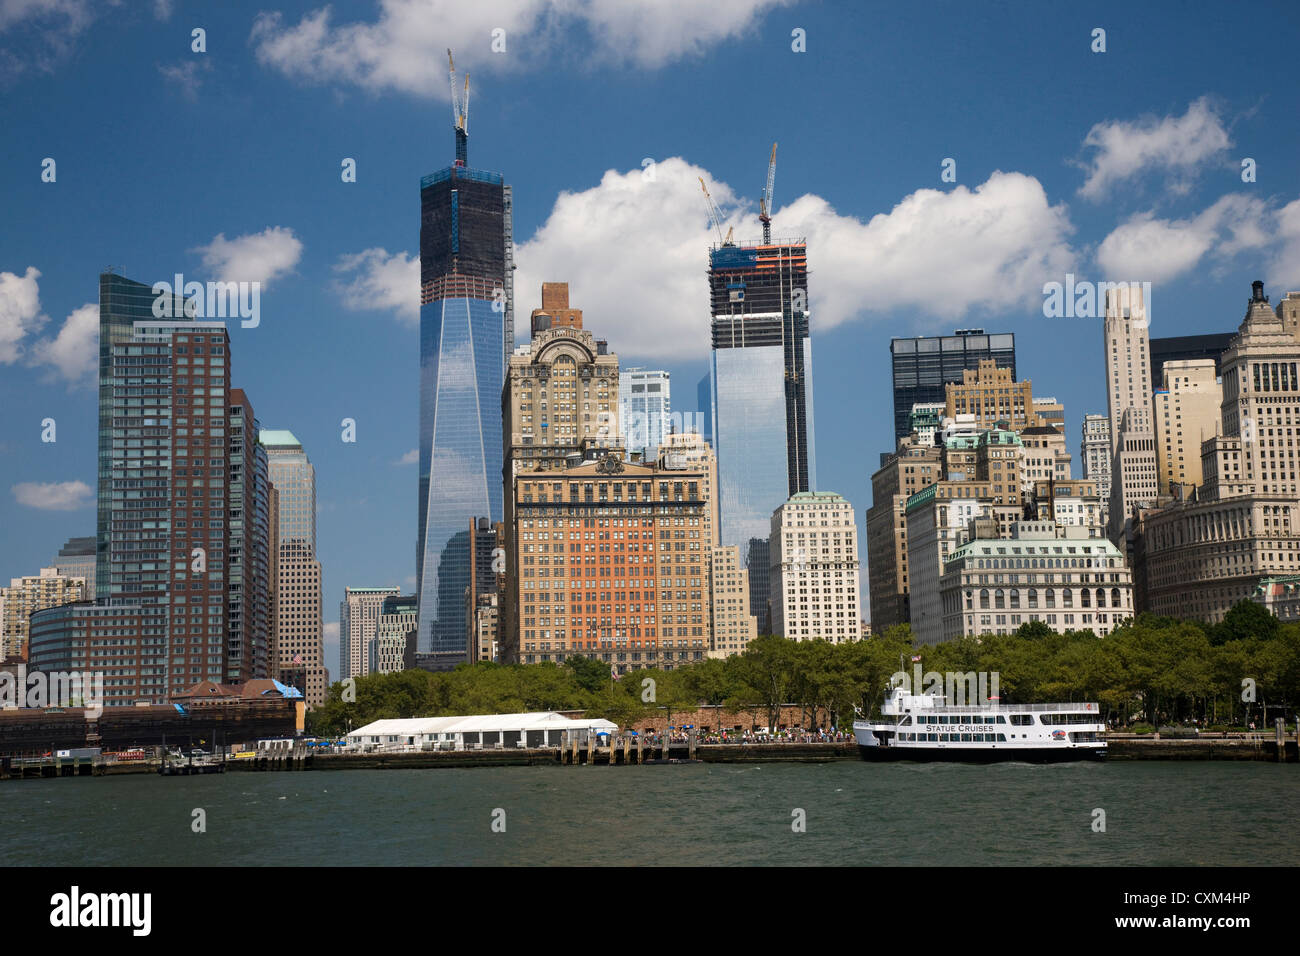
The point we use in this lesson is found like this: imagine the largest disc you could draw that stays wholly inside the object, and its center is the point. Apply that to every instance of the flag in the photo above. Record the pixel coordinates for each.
(916, 659)
(297, 658)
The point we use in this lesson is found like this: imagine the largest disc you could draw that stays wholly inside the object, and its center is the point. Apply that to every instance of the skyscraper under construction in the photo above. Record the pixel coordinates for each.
(466, 334)
(761, 385)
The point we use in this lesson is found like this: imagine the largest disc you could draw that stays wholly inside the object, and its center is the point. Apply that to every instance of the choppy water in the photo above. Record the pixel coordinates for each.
(934, 814)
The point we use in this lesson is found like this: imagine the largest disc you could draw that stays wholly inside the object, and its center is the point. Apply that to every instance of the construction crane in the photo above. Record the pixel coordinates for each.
(715, 215)
(765, 201)
(459, 113)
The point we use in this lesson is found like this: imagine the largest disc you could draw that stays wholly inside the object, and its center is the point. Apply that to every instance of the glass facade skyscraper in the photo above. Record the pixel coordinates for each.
(466, 334)
(761, 389)
(924, 365)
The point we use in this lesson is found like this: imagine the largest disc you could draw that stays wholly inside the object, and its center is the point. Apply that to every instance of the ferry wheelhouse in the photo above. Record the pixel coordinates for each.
(927, 727)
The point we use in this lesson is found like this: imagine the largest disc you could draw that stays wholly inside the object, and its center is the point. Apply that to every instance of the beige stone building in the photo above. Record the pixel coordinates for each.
(990, 394)
(1198, 558)
(1038, 572)
(733, 625)
(1127, 347)
(358, 623)
(814, 579)
(485, 620)
(909, 470)
(611, 560)
(1187, 411)
(30, 593)
(1045, 457)
(559, 409)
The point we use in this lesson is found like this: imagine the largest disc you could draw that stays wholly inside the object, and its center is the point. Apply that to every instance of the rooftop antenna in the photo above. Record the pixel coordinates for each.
(765, 201)
(459, 113)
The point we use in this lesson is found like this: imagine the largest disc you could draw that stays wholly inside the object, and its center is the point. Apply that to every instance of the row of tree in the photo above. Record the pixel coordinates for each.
(1159, 670)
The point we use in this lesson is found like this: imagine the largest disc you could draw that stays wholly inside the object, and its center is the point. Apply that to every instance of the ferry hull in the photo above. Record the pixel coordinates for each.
(982, 755)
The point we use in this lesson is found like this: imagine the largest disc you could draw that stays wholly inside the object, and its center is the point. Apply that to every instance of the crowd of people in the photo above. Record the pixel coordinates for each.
(795, 736)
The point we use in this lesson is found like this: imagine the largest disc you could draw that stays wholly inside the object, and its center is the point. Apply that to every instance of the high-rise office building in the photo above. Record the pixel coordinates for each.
(761, 384)
(923, 366)
(466, 333)
(297, 649)
(1189, 348)
(76, 559)
(643, 408)
(559, 408)
(182, 565)
(397, 619)
(814, 570)
(1095, 451)
(910, 469)
(1187, 411)
(358, 623)
(1198, 557)
(1128, 393)
(733, 626)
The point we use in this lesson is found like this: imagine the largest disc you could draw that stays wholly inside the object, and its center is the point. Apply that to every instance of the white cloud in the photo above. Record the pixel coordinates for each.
(410, 458)
(1283, 269)
(1174, 145)
(44, 32)
(634, 251)
(1150, 249)
(20, 312)
(256, 257)
(74, 352)
(187, 76)
(162, 9)
(381, 281)
(404, 47)
(54, 495)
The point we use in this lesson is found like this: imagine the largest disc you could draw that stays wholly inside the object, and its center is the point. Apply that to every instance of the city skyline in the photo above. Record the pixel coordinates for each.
(316, 273)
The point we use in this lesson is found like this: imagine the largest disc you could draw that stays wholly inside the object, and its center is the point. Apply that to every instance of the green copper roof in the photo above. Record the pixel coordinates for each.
(278, 437)
(813, 495)
(921, 497)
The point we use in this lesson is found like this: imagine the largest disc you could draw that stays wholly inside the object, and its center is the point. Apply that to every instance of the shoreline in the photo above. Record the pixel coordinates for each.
(1123, 749)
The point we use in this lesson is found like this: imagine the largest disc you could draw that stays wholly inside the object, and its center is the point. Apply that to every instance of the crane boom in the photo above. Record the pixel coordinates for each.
(765, 201)
(715, 216)
(455, 93)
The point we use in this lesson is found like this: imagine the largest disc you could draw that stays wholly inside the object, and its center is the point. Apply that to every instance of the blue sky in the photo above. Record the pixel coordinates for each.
(1116, 165)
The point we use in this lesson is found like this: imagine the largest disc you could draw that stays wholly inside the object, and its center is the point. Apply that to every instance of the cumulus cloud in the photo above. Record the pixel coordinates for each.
(73, 354)
(633, 249)
(410, 458)
(1176, 146)
(378, 280)
(42, 32)
(1284, 267)
(20, 312)
(186, 77)
(256, 257)
(54, 495)
(1146, 248)
(404, 47)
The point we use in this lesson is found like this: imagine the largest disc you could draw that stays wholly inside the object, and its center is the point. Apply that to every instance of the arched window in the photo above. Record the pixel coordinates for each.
(1015, 599)
(970, 600)
(1101, 597)
(1085, 597)
(1067, 597)
(1114, 598)
(1051, 597)
(984, 599)
(1033, 598)
(999, 599)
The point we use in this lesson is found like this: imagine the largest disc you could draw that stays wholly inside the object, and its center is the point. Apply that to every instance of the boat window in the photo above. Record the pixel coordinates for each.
(1001, 719)
(1022, 720)
(965, 737)
(1002, 738)
(905, 722)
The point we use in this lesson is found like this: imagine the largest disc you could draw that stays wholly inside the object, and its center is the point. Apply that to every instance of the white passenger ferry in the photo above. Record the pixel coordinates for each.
(926, 727)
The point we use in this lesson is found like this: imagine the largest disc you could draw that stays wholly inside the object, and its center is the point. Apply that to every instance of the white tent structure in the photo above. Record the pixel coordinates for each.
(481, 732)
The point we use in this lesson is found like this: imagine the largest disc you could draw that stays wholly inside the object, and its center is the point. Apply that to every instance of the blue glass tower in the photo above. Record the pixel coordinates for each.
(466, 335)
(761, 393)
